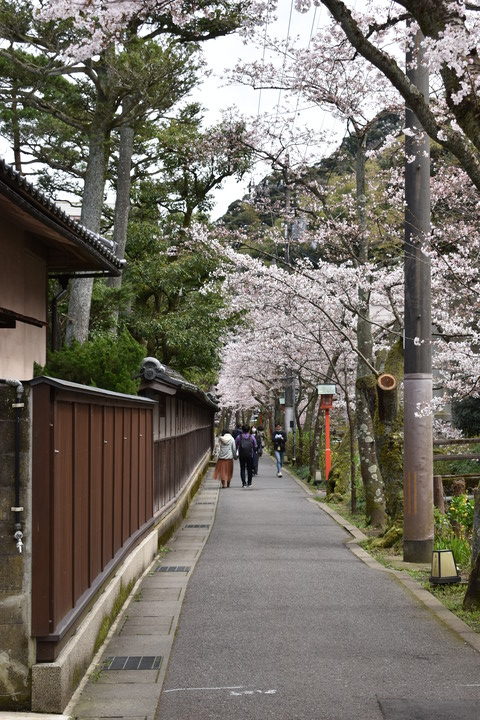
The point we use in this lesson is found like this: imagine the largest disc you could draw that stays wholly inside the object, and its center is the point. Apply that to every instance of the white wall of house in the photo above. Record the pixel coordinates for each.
(23, 289)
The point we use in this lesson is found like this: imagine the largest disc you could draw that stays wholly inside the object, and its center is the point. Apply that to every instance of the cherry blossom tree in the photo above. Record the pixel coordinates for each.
(451, 28)
(327, 74)
(290, 308)
(102, 21)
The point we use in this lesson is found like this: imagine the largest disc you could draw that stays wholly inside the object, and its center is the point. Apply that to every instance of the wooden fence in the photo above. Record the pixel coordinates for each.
(104, 465)
(445, 485)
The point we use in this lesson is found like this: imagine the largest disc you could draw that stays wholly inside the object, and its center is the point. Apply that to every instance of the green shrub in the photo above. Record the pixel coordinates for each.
(303, 472)
(466, 416)
(105, 361)
(447, 539)
(460, 547)
(460, 514)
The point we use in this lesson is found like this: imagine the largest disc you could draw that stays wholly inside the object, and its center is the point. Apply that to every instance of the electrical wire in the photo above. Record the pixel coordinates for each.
(285, 56)
(308, 47)
(263, 59)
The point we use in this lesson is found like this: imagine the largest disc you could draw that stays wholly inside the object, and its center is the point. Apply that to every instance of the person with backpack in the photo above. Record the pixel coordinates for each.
(257, 454)
(246, 447)
(279, 440)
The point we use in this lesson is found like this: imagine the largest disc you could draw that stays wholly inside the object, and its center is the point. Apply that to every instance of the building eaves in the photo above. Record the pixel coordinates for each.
(24, 190)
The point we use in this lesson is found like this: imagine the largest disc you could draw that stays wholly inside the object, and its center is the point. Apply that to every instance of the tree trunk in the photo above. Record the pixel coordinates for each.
(476, 526)
(92, 204)
(369, 468)
(353, 478)
(438, 493)
(16, 137)
(365, 393)
(314, 447)
(228, 420)
(307, 432)
(122, 200)
(388, 426)
(471, 601)
(310, 411)
(298, 435)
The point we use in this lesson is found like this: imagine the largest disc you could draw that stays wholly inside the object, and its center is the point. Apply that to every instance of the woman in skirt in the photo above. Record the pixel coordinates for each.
(226, 455)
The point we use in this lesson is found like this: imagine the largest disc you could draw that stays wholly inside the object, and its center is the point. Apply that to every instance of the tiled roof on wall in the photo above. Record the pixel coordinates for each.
(36, 197)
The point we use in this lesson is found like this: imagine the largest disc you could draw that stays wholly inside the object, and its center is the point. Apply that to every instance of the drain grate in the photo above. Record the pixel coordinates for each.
(132, 662)
(172, 568)
(205, 503)
(196, 526)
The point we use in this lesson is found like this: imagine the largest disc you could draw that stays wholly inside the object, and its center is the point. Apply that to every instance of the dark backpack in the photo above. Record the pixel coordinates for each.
(245, 447)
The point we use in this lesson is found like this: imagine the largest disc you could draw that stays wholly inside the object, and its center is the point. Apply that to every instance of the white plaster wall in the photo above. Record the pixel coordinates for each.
(23, 289)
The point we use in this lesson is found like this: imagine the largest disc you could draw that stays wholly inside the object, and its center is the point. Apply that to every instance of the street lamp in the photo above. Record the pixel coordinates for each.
(444, 568)
(326, 393)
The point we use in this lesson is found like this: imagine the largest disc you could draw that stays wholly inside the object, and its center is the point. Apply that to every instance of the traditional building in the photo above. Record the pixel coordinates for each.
(38, 241)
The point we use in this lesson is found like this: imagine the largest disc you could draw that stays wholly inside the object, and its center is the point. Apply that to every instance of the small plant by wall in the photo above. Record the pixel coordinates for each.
(453, 530)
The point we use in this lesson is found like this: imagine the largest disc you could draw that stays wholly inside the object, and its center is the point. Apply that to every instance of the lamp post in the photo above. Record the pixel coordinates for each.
(326, 393)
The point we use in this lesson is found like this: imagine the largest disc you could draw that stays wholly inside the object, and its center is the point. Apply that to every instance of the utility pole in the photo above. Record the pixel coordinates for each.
(418, 453)
(290, 378)
(290, 406)
(287, 229)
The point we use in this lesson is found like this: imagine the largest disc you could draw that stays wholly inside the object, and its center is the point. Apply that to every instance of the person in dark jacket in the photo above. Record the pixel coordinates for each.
(279, 441)
(259, 451)
(237, 431)
(246, 446)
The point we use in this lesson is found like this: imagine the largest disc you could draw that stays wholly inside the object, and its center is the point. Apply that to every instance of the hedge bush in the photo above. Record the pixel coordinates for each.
(105, 361)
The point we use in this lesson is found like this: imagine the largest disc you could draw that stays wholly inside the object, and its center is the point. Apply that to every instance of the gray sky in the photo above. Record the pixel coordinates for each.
(216, 94)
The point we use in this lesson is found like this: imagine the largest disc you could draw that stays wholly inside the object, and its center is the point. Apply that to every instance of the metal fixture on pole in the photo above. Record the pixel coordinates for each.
(418, 456)
(326, 393)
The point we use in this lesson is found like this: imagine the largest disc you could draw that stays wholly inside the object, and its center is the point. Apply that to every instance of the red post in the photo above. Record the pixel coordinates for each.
(326, 403)
(328, 455)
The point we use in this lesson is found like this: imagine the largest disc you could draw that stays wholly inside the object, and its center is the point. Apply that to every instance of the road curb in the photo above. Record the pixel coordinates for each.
(435, 606)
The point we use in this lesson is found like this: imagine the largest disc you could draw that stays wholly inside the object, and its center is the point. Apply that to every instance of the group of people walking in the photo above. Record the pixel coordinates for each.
(245, 443)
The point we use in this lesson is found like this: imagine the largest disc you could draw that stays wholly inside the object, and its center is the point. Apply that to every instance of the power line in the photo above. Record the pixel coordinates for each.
(308, 47)
(263, 58)
(285, 55)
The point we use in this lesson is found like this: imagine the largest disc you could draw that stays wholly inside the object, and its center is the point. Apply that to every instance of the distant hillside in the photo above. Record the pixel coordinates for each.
(270, 191)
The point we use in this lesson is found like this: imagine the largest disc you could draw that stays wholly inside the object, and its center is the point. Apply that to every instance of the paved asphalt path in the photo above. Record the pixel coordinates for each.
(281, 621)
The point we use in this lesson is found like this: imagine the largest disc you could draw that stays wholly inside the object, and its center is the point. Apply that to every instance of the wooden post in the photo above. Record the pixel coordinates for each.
(438, 496)
(328, 457)
(458, 487)
(476, 526)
